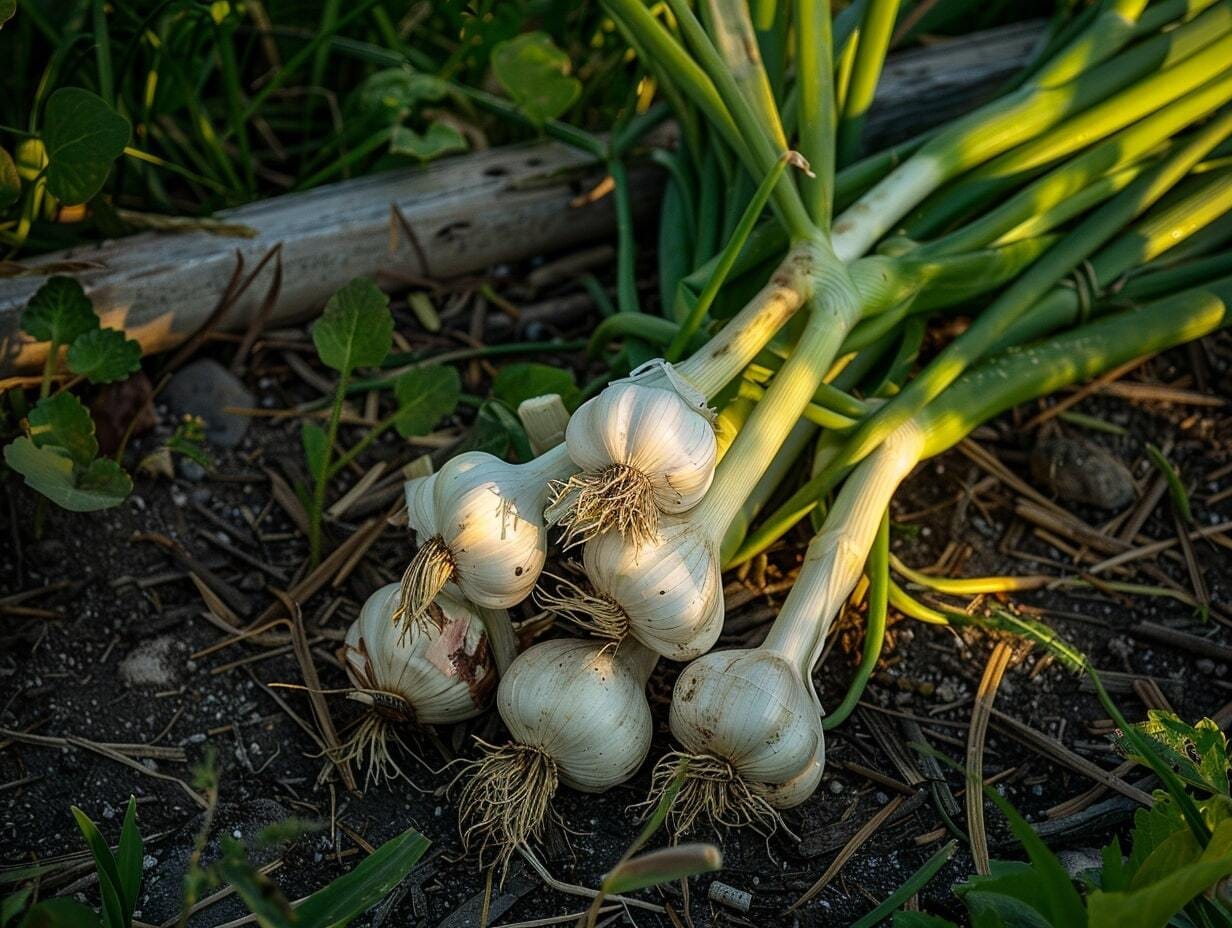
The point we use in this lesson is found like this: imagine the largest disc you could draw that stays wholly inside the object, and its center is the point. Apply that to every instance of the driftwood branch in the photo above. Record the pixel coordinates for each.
(464, 214)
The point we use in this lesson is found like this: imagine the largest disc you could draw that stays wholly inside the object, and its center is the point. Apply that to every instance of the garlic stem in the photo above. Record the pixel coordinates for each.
(738, 342)
(835, 557)
(501, 637)
(834, 309)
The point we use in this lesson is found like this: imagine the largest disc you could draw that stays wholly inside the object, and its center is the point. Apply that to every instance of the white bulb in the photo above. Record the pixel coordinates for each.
(441, 671)
(479, 523)
(644, 446)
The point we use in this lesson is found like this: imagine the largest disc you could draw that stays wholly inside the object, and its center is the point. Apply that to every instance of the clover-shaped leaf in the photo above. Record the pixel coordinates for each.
(439, 139)
(104, 355)
(425, 396)
(59, 312)
(83, 136)
(356, 329)
(535, 74)
(61, 421)
(51, 471)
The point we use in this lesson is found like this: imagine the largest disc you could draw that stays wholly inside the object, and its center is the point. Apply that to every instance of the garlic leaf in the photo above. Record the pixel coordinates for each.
(59, 312)
(356, 329)
(51, 471)
(535, 74)
(425, 396)
(61, 421)
(517, 382)
(83, 136)
(104, 355)
(10, 182)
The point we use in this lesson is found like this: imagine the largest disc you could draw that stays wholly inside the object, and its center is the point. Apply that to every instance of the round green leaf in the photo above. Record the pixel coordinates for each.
(535, 74)
(10, 182)
(104, 355)
(61, 421)
(83, 135)
(517, 382)
(356, 329)
(59, 312)
(50, 471)
(425, 396)
(7, 9)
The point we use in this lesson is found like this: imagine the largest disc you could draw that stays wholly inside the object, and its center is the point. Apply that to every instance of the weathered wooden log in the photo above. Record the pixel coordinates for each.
(465, 213)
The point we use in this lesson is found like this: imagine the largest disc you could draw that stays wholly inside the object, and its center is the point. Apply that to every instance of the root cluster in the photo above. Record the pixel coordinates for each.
(713, 791)
(618, 498)
(507, 800)
(425, 576)
(596, 613)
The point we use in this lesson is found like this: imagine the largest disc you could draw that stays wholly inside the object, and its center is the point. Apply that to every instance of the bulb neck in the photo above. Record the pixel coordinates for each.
(726, 354)
(834, 309)
(835, 557)
(638, 658)
(553, 464)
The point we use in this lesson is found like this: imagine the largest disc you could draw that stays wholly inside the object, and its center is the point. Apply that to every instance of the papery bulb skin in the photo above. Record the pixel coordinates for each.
(581, 704)
(643, 450)
(751, 709)
(441, 670)
(669, 590)
(485, 516)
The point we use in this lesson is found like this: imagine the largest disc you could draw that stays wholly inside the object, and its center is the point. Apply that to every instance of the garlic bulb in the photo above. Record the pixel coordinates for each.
(479, 523)
(749, 721)
(750, 724)
(645, 446)
(577, 713)
(666, 593)
(436, 673)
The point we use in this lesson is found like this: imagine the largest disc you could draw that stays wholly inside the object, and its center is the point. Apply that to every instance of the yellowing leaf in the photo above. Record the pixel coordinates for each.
(535, 74)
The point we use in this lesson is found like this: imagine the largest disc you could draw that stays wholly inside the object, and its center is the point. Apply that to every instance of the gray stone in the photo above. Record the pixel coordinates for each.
(1081, 472)
(152, 663)
(205, 388)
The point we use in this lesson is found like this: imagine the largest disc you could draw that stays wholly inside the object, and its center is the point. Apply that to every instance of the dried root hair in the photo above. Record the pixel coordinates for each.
(712, 791)
(593, 612)
(369, 748)
(507, 800)
(425, 576)
(618, 498)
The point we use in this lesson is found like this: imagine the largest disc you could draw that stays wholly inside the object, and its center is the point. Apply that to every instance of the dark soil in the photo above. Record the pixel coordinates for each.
(129, 612)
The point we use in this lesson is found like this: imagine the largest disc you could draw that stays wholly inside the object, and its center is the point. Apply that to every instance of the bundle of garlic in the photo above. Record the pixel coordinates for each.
(749, 721)
(436, 673)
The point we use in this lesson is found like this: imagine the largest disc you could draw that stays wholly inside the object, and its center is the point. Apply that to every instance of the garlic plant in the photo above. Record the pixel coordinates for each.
(479, 523)
(749, 721)
(578, 715)
(436, 673)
